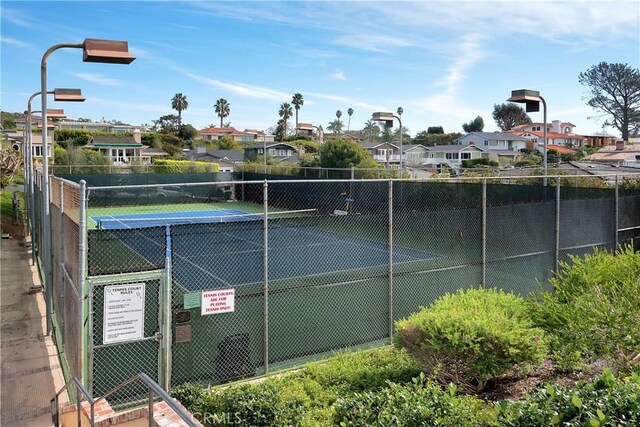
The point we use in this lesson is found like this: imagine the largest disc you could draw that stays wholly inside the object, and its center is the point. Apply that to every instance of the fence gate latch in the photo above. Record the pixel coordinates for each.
(158, 336)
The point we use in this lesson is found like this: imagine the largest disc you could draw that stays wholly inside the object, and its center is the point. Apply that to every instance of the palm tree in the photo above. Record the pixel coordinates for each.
(297, 101)
(338, 115)
(222, 109)
(179, 103)
(350, 113)
(371, 131)
(285, 113)
(400, 111)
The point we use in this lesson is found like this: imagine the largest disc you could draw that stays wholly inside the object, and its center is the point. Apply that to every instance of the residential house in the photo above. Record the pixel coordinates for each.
(494, 141)
(414, 155)
(124, 149)
(383, 152)
(278, 151)
(346, 136)
(556, 126)
(248, 135)
(598, 140)
(452, 155)
(226, 159)
(620, 154)
(558, 148)
(16, 140)
(102, 126)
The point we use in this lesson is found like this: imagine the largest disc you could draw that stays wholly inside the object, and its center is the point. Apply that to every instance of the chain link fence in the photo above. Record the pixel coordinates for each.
(219, 279)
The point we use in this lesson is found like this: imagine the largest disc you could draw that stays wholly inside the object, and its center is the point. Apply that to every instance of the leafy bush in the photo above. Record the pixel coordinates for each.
(594, 311)
(422, 403)
(472, 336)
(183, 166)
(363, 370)
(304, 397)
(606, 401)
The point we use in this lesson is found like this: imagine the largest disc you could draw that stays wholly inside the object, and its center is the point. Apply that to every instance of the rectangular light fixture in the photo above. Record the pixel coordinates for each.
(107, 51)
(56, 113)
(68, 95)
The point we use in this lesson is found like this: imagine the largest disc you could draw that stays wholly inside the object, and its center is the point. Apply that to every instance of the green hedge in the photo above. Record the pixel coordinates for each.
(183, 166)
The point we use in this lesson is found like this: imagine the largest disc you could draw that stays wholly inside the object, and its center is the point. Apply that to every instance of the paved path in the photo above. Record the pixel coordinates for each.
(30, 368)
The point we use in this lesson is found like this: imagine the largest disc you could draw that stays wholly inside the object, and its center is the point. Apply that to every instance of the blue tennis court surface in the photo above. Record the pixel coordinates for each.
(120, 222)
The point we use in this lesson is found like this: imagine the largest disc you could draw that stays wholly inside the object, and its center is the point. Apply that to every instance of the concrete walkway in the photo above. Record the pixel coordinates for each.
(30, 368)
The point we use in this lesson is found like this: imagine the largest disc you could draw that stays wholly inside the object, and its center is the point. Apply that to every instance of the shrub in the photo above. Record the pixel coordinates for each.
(594, 310)
(183, 166)
(363, 370)
(422, 403)
(606, 401)
(473, 336)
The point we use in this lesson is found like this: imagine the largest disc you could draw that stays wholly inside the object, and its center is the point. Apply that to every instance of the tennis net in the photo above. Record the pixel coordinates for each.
(119, 222)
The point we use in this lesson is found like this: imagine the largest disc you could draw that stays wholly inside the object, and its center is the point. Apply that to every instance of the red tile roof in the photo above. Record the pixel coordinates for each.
(561, 150)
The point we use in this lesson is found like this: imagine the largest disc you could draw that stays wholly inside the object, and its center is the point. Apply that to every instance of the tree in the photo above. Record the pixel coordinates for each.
(335, 126)
(8, 122)
(83, 119)
(475, 125)
(297, 101)
(509, 115)
(227, 143)
(340, 153)
(350, 113)
(222, 109)
(166, 124)
(179, 103)
(371, 131)
(615, 90)
(10, 161)
(187, 132)
(435, 130)
(285, 114)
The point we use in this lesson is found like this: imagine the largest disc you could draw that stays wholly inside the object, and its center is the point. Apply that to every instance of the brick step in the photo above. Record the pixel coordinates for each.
(105, 416)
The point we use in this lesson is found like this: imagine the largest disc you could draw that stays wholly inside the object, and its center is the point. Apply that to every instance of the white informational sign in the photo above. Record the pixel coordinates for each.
(123, 313)
(216, 302)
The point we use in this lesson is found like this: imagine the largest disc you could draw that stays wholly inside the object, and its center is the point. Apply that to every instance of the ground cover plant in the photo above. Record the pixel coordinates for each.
(481, 338)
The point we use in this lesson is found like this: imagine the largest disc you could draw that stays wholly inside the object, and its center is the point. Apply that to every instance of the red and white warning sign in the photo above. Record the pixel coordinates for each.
(219, 301)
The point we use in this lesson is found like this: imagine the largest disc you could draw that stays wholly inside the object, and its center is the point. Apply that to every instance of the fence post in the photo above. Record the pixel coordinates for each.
(616, 215)
(86, 345)
(166, 318)
(557, 243)
(484, 233)
(390, 249)
(265, 230)
(60, 312)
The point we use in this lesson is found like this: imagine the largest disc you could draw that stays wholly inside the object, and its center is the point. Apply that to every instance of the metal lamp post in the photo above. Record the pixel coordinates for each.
(64, 95)
(94, 50)
(532, 100)
(387, 118)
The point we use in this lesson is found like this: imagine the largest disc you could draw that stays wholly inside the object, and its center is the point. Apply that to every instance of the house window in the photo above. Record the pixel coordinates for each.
(452, 156)
(37, 150)
(465, 156)
(486, 142)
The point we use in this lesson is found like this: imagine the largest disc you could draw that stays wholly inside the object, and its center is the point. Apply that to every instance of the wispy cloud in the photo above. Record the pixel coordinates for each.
(16, 18)
(186, 27)
(98, 79)
(338, 75)
(242, 89)
(468, 52)
(16, 43)
(372, 42)
(349, 101)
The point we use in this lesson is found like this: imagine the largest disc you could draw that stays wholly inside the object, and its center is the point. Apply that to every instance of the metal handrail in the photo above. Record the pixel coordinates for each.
(152, 387)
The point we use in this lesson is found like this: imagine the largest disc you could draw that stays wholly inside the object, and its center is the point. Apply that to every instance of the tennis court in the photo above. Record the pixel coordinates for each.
(225, 248)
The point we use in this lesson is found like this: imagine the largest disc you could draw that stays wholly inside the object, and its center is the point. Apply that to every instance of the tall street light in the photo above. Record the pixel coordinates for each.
(532, 100)
(65, 95)
(387, 118)
(94, 50)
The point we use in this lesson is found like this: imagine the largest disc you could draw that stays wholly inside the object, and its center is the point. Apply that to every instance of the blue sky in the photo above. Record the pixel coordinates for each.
(443, 62)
